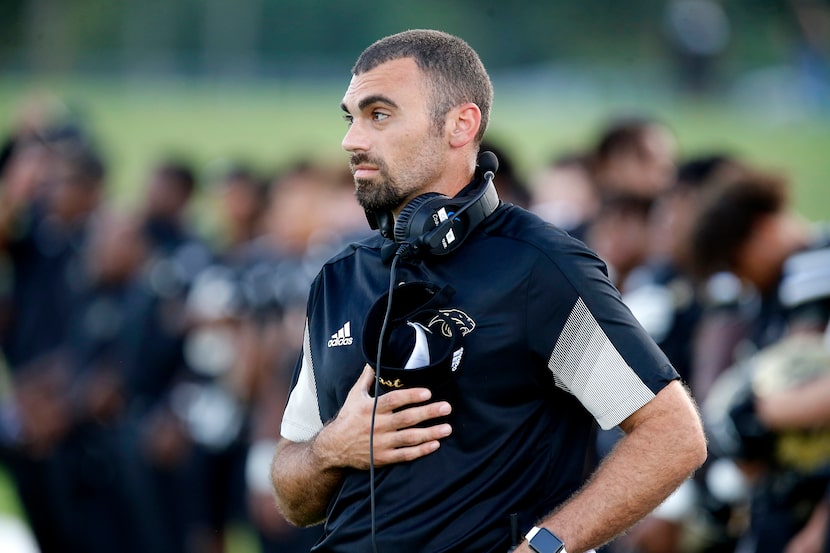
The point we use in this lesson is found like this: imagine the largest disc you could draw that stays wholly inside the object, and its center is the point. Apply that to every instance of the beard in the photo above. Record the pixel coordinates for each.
(381, 195)
(414, 173)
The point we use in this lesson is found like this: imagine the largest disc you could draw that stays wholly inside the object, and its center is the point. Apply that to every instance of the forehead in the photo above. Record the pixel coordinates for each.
(399, 80)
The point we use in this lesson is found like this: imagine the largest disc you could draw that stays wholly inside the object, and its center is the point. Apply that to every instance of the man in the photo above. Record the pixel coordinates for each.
(547, 343)
(48, 202)
(634, 157)
(746, 226)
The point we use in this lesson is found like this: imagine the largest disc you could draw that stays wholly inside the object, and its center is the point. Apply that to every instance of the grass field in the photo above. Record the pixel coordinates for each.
(273, 124)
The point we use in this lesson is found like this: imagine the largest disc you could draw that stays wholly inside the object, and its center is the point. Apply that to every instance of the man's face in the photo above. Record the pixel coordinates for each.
(72, 194)
(396, 151)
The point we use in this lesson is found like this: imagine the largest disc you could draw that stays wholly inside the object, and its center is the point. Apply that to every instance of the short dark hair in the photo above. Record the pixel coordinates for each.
(179, 174)
(455, 70)
(728, 214)
(701, 172)
(85, 163)
(623, 136)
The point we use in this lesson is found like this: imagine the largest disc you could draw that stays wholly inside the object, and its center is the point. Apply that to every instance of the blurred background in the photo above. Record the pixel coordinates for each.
(234, 106)
(263, 79)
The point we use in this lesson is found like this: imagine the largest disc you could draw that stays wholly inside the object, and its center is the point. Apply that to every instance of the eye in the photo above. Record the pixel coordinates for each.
(348, 119)
(379, 115)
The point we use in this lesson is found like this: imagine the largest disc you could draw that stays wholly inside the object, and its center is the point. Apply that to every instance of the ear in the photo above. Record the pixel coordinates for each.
(463, 123)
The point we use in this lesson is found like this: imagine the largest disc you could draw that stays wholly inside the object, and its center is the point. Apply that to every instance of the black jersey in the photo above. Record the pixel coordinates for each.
(804, 289)
(549, 348)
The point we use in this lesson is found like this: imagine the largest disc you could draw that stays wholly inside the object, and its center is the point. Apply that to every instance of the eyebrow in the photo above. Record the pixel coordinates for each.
(369, 100)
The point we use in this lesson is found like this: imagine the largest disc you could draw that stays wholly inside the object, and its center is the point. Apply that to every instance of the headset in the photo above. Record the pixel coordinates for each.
(434, 224)
(429, 224)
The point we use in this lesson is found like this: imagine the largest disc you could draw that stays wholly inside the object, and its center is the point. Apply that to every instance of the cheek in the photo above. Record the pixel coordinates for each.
(752, 257)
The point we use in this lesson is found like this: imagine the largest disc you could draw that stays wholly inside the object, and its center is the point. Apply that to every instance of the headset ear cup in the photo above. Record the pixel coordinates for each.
(413, 213)
(437, 225)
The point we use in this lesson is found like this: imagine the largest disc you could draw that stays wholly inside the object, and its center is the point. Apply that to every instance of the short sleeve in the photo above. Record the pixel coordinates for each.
(301, 420)
(596, 349)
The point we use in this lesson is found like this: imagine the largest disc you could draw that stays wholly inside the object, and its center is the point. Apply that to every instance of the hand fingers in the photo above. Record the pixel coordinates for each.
(410, 437)
(402, 454)
(409, 444)
(366, 379)
(392, 400)
(395, 409)
(397, 440)
(411, 416)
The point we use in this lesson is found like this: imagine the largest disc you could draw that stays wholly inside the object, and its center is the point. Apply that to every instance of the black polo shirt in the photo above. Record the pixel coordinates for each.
(551, 349)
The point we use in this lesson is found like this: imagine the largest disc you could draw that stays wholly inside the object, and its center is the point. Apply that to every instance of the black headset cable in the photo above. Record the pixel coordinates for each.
(402, 251)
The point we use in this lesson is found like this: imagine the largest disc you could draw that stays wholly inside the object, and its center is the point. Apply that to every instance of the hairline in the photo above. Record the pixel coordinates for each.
(438, 110)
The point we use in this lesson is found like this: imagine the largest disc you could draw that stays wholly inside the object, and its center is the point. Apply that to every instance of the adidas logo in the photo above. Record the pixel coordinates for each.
(342, 337)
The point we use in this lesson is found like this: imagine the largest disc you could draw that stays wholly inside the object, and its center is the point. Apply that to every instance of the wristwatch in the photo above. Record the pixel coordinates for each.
(543, 540)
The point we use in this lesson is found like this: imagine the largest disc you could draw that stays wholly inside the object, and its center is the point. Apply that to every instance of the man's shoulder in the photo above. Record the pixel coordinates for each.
(527, 230)
(358, 257)
(367, 245)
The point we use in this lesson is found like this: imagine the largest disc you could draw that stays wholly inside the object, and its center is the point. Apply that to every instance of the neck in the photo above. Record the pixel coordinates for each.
(452, 180)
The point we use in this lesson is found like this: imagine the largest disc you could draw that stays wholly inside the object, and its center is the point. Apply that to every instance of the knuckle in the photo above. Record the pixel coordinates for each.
(409, 453)
(408, 437)
(388, 457)
(399, 398)
(407, 417)
(388, 402)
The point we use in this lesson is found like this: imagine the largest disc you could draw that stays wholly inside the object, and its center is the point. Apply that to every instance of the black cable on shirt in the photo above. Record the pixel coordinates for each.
(402, 251)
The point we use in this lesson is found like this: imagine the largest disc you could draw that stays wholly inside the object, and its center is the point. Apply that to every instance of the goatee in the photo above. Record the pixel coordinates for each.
(379, 195)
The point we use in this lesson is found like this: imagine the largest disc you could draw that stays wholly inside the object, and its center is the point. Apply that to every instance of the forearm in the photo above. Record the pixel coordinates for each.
(804, 407)
(304, 481)
(655, 457)
(814, 534)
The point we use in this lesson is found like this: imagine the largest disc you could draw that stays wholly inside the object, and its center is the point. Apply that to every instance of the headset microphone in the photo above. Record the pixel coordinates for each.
(488, 163)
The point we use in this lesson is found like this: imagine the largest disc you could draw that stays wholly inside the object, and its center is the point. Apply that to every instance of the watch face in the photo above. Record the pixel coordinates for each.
(545, 542)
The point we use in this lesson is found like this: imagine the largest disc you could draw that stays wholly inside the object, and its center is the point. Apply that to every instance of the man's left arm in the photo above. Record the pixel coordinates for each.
(663, 445)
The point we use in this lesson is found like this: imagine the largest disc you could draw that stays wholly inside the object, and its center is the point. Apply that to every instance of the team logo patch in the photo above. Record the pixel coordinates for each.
(423, 345)
(463, 322)
(443, 323)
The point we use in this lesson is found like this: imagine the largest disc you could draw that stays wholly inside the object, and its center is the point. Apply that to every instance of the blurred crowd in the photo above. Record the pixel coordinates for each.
(147, 364)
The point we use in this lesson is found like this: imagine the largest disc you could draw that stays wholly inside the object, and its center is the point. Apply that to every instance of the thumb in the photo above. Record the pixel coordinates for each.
(366, 380)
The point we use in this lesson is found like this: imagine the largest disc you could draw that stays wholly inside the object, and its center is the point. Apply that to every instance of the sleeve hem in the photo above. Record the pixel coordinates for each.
(297, 432)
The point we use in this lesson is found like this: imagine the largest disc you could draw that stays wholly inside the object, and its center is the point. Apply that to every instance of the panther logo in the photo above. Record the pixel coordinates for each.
(461, 320)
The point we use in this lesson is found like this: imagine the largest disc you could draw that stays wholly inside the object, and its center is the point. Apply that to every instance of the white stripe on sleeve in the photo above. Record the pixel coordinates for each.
(301, 420)
(586, 364)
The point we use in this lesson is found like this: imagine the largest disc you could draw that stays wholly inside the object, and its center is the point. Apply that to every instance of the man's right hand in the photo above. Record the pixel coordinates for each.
(307, 474)
(345, 441)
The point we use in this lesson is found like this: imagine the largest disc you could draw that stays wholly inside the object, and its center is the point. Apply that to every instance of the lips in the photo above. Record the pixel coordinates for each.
(363, 171)
(363, 166)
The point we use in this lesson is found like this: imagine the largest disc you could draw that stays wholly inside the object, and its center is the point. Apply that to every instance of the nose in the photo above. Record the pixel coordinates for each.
(356, 139)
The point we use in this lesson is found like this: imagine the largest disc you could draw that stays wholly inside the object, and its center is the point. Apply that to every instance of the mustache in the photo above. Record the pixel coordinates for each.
(359, 158)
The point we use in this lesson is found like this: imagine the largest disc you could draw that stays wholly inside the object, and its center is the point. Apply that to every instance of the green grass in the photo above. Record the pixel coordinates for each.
(272, 124)
(9, 504)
